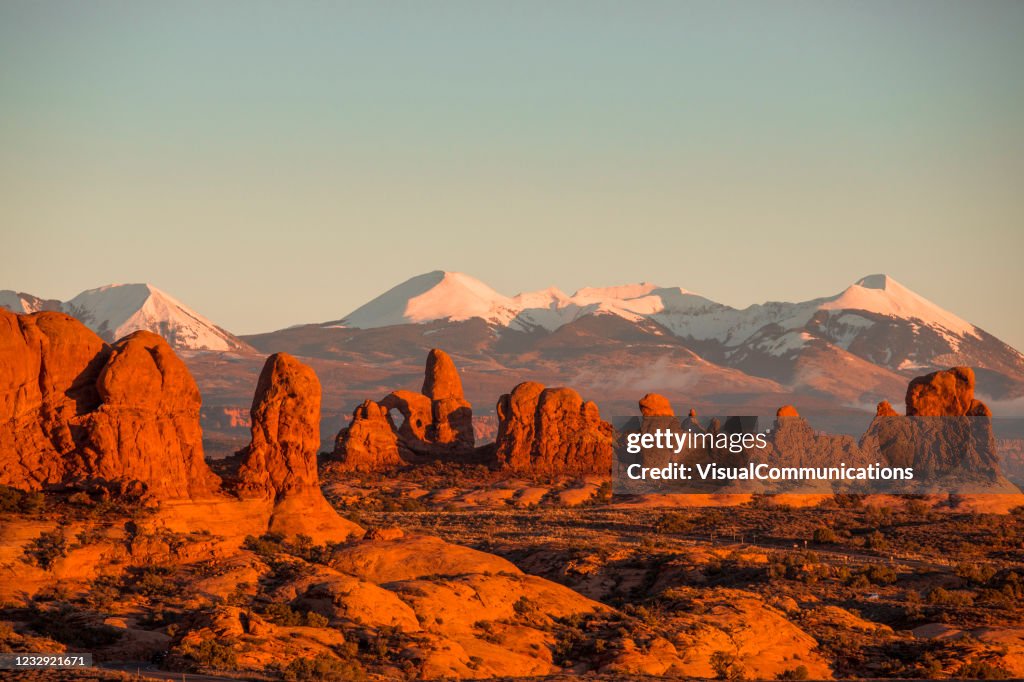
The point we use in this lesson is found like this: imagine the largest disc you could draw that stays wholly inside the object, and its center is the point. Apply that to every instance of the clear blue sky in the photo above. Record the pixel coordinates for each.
(277, 163)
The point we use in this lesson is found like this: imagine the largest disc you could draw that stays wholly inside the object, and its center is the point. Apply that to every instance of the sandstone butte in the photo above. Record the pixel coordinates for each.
(551, 431)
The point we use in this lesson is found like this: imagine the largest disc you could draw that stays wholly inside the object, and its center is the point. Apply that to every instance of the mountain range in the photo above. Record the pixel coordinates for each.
(841, 352)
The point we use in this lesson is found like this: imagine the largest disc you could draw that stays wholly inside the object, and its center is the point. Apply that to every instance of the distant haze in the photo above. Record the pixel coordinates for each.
(279, 163)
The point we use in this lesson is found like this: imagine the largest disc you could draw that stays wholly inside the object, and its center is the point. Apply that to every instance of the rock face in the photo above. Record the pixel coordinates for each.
(946, 393)
(655, 405)
(551, 431)
(49, 363)
(369, 443)
(285, 429)
(280, 462)
(146, 428)
(77, 412)
(435, 424)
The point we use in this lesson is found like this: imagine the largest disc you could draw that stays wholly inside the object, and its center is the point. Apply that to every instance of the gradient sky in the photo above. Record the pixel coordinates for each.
(277, 163)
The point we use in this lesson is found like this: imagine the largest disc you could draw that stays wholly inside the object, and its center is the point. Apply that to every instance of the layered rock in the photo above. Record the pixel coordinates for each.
(369, 442)
(551, 431)
(280, 462)
(946, 393)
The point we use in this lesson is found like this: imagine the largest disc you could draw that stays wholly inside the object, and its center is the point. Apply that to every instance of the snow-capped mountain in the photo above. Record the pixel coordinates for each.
(20, 302)
(875, 319)
(117, 310)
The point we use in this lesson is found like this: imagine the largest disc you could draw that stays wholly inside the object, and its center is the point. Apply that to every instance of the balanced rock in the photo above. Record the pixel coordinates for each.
(280, 462)
(655, 405)
(369, 442)
(552, 431)
(946, 393)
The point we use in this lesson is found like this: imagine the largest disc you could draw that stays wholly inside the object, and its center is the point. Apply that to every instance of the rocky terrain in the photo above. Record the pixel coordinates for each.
(413, 551)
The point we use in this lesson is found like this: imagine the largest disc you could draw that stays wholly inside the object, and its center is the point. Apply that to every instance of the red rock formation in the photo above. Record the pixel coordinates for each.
(787, 411)
(48, 368)
(947, 393)
(78, 412)
(439, 421)
(280, 462)
(285, 429)
(146, 428)
(369, 443)
(552, 431)
(451, 414)
(885, 409)
(417, 418)
(655, 405)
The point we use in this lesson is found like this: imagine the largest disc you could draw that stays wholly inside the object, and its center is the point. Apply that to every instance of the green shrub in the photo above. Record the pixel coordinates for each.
(324, 667)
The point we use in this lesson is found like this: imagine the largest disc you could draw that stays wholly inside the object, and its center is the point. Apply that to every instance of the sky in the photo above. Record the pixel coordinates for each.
(279, 163)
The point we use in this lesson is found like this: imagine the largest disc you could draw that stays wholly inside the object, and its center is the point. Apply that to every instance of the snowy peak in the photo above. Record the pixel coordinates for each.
(883, 295)
(435, 295)
(20, 302)
(116, 310)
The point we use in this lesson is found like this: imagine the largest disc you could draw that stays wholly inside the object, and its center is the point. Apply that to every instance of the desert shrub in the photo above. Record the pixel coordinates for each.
(727, 666)
(943, 597)
(881, 575)
(282, 614)
(153, 581)
(798, 673)
(825, 535)
(675, 522)
(25, 502)
(877, 541)
(210, 654)
(975, 573)
(267, 545)
(47, 548)
(324, 667)
(983, 670)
